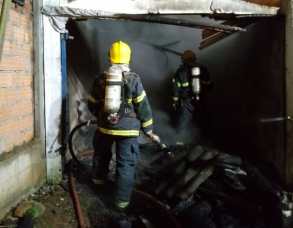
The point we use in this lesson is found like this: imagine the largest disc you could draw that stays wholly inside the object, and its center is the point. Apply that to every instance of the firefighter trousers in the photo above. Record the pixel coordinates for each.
(190, 111)
(127, 156)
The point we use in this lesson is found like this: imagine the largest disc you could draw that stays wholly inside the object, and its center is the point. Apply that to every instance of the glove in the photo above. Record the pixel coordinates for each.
(155, 138)
(175, 106)
(150, 134)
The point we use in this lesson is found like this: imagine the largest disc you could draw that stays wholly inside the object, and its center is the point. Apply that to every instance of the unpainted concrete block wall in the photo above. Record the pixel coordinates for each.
(22, 172)
(16, 79)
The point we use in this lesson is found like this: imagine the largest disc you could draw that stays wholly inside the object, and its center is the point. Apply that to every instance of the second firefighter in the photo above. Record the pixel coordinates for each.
(190, 87)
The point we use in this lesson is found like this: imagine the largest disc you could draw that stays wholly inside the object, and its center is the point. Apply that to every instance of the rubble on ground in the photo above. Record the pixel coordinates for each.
(198, 185)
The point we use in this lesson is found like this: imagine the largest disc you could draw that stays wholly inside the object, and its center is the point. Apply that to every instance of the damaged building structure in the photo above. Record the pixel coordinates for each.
(52, 50)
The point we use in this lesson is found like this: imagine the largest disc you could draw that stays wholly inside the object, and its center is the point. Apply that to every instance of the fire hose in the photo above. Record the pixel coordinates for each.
(75, 161)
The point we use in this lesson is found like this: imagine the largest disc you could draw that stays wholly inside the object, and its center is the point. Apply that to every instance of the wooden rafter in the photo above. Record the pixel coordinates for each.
(211, 37)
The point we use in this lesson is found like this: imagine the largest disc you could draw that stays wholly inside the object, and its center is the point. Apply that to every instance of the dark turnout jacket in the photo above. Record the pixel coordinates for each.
(135, 111)
(181, 82)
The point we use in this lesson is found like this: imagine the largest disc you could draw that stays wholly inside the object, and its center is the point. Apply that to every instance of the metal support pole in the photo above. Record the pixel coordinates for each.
(64, 104)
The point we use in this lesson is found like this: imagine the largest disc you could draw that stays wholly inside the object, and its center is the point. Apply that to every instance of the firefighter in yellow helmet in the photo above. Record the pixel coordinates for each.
(120, 104)
(120, 53)
(190, 87)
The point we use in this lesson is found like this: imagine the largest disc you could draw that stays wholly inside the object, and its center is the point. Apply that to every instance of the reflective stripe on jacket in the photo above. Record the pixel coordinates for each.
(181, 82)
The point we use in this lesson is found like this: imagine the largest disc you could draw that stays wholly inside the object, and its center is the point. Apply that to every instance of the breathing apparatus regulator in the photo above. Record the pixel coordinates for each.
(113, 93)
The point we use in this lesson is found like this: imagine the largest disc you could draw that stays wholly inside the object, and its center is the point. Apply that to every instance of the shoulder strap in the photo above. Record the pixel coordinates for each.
(102, 78)
(127, 75)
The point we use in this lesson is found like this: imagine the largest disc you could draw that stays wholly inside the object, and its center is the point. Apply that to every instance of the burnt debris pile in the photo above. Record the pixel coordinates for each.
(203, 187)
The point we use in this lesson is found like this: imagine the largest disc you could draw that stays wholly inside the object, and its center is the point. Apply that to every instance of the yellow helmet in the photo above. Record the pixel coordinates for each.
(120, 53)
(188, 54)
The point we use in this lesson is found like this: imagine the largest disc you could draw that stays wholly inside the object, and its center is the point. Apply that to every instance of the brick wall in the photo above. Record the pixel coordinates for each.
(16, 80)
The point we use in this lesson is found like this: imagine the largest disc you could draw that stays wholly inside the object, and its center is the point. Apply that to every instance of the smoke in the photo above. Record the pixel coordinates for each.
(236, 65)
(155, 58)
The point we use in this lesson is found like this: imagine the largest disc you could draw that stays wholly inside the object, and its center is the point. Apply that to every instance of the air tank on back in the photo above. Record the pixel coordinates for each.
(113, 89)
(195, 81)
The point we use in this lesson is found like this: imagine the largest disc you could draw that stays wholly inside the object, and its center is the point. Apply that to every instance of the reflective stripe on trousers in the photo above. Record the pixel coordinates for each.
(127, 155)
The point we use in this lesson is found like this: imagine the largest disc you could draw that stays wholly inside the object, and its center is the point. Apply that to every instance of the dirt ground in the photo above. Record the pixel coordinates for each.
(58, 205)
(96, 204)
(97, 207)
(59, 209)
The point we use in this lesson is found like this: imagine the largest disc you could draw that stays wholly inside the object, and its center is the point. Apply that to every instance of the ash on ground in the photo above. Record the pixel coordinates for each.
(243, 188)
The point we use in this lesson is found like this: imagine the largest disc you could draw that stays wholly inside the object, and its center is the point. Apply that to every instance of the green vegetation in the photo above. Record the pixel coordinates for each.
(33, 212)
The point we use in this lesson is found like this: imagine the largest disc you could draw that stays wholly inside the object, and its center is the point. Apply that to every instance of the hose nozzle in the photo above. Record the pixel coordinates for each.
(156, 139)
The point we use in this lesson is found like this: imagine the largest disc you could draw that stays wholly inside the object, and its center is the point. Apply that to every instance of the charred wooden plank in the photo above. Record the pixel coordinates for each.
(163, 20)
(197, 166)
(161, 163)
(178, 169)
(190, 188)
(229, 159)
(207, 33)
(240, 22)
(242, 205)
(220, 35)
(179, 22)
(212, 40)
